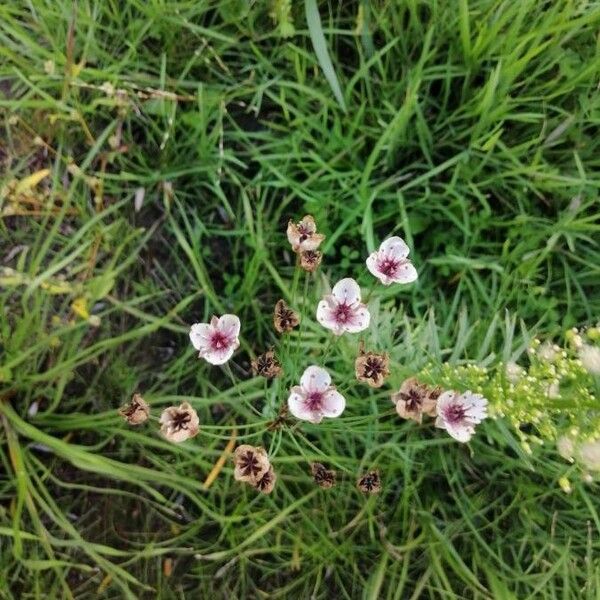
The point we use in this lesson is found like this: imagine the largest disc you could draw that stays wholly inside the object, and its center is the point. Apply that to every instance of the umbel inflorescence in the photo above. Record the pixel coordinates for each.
(550, 395)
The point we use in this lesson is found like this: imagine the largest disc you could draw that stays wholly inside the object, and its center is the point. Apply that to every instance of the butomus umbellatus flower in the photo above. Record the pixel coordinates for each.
(342, 310)
(284, 318)
(218, 340)
(371, 367)
(390, 263)
(137, 411)
(303, 235)
(459, 413)
(179, 423)
(315, 397)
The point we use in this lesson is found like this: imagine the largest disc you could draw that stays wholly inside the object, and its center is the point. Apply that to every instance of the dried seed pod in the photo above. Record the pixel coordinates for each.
(285, 318)
(310, 260)
(415, 399)
(179, 423)
(251, 463)
(303, 235)
(369, 483)
(372, 368)
(266, 483)
(267, 365)
(136, 412)
(324, 477)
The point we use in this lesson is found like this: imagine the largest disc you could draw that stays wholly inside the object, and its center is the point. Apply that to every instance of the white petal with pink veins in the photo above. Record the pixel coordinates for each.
(394, 247)
(230, 325)
(326, 315)
(461, 433)
(200, 335)
(361, 317)
(406, 273)
(219, 356)
(298, 407)
(346, 291)
(333, 404)
(315, 379)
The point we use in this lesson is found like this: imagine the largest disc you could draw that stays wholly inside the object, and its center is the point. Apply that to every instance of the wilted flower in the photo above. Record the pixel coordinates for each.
(590, 358)
(315, 397)
(267, 482)
(369, 483)
(179, 423)
(216, 341)
(371, 367)
(267, 365)
(251, 463)
(323, 476)
(390, 263)
(136, 412)
(310, 260)
(284, 318)
(414, 399)
(459, 413)
(303, 235)
(342, 310)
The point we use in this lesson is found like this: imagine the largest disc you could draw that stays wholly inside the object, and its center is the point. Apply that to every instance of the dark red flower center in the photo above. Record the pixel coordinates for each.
(388, 266)
(343, 313)
(181, 420)
(314, 400)
(219, 341)
(454, 413)
(373, 367)
(413, 400)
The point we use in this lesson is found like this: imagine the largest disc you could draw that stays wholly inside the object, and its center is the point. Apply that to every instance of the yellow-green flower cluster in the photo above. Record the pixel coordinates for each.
(552, 394)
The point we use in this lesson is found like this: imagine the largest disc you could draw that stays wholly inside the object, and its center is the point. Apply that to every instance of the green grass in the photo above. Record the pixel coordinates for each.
(468, 128)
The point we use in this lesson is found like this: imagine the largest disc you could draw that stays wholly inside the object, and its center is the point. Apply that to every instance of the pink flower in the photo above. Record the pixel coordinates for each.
(315, 397)
(342, 310)
(216, 341)
(459, 413)
(390, 263)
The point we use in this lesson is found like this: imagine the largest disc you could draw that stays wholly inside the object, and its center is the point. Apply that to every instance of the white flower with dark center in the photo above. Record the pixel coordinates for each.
(459, 413)
(390, 263)
(216, 341)
(315, 397)
(342, 310)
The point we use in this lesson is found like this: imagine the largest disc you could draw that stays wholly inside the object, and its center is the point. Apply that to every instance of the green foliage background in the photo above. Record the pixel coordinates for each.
(470, 128)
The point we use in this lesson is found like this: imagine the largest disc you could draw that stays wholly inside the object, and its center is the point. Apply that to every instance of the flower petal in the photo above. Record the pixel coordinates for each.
(405, 273)
(297, 406)
(315, 379)
(229, 325)
(361, 318)
(443, 401)
(333, 404)
(221, 356)
(326, 315)
(394, 247)
(461, 433)
(346, 291)
(199, 335)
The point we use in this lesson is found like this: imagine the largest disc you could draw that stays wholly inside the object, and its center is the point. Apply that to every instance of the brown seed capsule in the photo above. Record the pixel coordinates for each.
(310, 260)
(416, 399)
(323, 476)
(179, 423)
(369, 483)
(284, 318)
(371, 367)
(136, 412)
(303, 235)
(267, 365)
(267, 482)
(251, 463)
